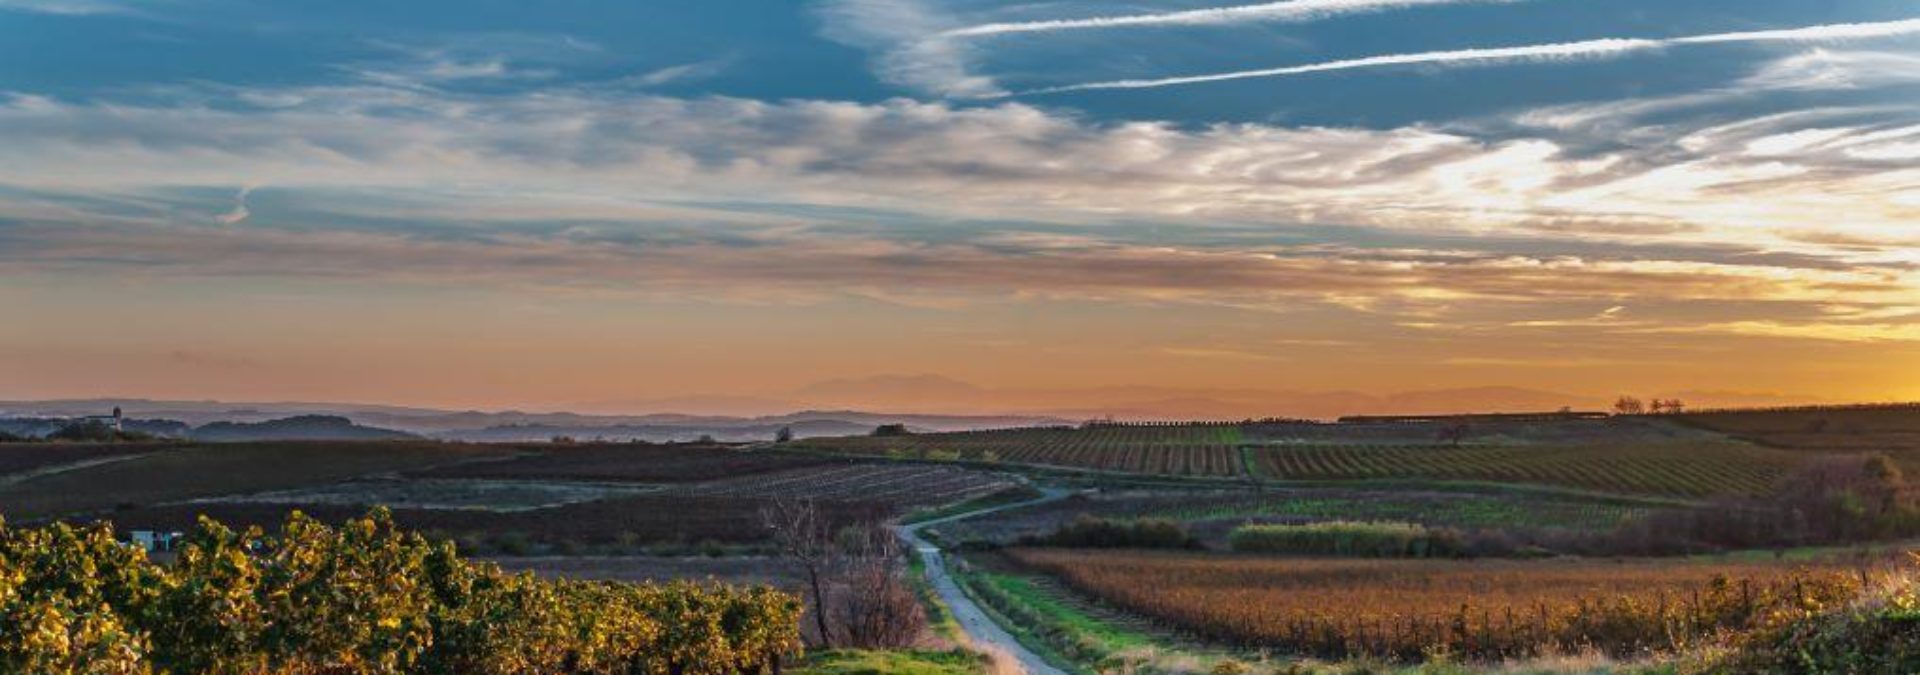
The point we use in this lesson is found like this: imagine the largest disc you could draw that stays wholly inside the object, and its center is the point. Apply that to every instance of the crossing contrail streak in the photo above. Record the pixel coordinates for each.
(1586, 49)
(1292, 10)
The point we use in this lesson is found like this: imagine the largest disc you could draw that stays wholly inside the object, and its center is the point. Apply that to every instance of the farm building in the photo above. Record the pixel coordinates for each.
(153, 541)
(111, 421)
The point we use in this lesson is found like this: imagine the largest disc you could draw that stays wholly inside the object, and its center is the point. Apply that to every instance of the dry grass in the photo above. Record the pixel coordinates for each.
(1405, 609)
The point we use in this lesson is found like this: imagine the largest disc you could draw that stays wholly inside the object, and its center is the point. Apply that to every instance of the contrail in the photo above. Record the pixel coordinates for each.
(1292, 10)
(1588, 49)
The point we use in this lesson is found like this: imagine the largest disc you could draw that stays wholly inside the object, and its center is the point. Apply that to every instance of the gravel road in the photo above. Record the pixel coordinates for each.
(982, 633)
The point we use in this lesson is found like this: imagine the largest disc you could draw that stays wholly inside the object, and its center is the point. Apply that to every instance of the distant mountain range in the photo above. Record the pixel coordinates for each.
(220, 421)
(830, 408)
(933, 392)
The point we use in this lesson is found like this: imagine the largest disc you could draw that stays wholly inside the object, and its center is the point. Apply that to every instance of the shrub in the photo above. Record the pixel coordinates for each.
(1091, 532)
(363, 598)
(1346, 538)
(1878, 634)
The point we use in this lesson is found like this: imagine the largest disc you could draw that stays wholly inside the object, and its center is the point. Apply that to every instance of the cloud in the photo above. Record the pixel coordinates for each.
(1586, 49)
(240, 213)
(1819, 68)
(904, 39)
(698, 70)
(1289, 11)
(563, 151)
(774, 266)
(66, 7)
(1823, 331)
(1611, 316)
(939, 205)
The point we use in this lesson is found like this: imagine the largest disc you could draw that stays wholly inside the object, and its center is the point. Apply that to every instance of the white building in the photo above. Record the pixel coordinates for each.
(112, 421)
(155, 542)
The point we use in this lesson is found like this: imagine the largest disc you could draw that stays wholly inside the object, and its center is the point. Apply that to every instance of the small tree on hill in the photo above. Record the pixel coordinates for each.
(784, 435)
(1669, 406)
(1628, 405)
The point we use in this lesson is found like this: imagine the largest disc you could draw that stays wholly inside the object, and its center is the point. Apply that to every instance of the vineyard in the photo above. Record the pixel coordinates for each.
(24, 458)
(720, 511)
(1449, 509)
(1843, 419)
(622, 525)
(1406, 609)
(641, 463)
(364, 598)
(1685, 470)
(892, 485)
(1184, 450)
(1893, 430)
(1627, 456)
(215, 469)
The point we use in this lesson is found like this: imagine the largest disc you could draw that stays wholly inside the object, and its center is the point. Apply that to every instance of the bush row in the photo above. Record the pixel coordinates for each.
(1347, 538)
(362, 598)
(1088, 531)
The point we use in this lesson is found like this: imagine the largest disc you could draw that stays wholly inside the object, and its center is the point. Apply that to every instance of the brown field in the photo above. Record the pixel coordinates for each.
(1175, 450)
(626, 522)
(887, 483)
(445, 493)
(22, 458)
(722, 511)
(1626, 456)
(642, 463)
(1483, 608)
(1891, 429)
(209, 470)
(1812, 419)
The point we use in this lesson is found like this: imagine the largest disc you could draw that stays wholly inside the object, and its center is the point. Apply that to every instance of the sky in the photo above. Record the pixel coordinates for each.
(492, 204)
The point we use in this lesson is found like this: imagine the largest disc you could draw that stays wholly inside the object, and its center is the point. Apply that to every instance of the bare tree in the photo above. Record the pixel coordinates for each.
(1454, 433)
(1628, 405)
(804, 536)
(876, 608)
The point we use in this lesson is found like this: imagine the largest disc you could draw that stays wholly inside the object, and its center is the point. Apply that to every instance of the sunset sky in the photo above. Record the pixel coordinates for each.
(478, 203)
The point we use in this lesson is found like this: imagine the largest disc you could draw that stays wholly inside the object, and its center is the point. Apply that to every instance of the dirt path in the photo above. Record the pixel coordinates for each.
(981, 632)
(11, 480)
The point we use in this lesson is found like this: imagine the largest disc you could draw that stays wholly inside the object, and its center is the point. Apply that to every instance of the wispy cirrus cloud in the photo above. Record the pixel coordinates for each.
(1767, 182)
(240, 211)
(811, 267)
(682, 72)
(1563, 51)
(904, 201)
(903, 37)
(1266, 12)
(68, 7)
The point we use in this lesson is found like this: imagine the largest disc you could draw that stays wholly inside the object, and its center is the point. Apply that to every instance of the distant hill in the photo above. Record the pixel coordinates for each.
(657, 433)
(42, 427)
(166, 428)
(298, 428)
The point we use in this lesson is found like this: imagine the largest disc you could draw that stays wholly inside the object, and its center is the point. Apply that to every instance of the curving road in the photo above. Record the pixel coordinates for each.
(981, 632)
